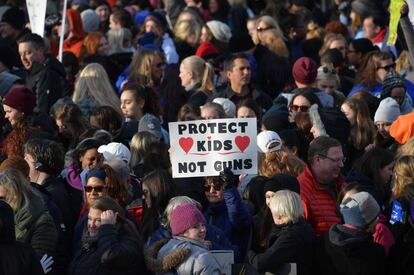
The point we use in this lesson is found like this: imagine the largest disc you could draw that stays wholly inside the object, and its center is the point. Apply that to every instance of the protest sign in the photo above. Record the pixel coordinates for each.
(225, 259)
(37, 14)
(395, 8)
(203, 148)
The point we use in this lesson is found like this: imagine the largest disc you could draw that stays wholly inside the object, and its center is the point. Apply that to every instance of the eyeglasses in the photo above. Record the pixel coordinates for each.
(216, 187)
(260, 29)
(160, 65)
(343, 160)
(387, 68)
(326, 70)
(297, 108)
(98, 189)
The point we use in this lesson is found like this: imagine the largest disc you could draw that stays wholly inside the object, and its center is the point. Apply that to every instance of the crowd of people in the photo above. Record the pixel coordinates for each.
(86, 184)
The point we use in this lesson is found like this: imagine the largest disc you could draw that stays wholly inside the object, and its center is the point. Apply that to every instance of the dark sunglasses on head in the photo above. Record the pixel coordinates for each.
(387, 68)
(260, 29)
(297, 108)
(98, 189)
(207, 187)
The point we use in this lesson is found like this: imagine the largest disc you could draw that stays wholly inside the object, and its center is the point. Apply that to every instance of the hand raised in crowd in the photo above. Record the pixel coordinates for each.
(108, 217)
(228, 178)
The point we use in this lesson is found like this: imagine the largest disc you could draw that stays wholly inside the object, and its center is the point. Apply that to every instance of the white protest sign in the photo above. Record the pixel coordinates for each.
(203, 148)
(37, 15)
(225, 259)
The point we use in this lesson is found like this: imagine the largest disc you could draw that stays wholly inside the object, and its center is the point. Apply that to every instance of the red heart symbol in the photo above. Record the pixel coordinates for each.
(242, 142)
(186, 144)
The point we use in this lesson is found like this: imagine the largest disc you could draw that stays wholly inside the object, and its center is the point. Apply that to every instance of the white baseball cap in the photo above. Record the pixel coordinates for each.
(269, 141)
(115, 150)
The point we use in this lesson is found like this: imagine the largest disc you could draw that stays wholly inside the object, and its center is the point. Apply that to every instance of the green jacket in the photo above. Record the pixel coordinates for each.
(35, 226)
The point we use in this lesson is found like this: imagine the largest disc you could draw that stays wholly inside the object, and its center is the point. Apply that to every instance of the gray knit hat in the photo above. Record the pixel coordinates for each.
(90, 21)
(391, 81)
(387, 111)
(360, 209)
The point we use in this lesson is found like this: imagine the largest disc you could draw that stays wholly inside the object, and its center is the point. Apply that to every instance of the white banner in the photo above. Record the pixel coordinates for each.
(37, 15)
(203, 148)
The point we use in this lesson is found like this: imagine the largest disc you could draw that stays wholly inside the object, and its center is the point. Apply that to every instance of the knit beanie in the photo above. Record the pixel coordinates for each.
(387, 111)
(185, 216)
(21, 99)
(282, 182)
(220, 30)
(363, 45)
(392, 80)
(90, 21)
(228, 106)
(364, 8)
(360, 209)
(140, 17)
(14, 17)
(305, 70)
(402, 130)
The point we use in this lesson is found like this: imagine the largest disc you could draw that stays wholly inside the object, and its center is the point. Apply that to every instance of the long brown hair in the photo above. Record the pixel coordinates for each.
(403, 175)
(367, 73)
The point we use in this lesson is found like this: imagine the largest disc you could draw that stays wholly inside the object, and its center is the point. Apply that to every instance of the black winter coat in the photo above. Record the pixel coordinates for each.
(346, 251)
(293, 244)
(113, 252)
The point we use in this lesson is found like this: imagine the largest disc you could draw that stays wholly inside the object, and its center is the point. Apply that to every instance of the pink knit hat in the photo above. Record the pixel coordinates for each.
(184, 217)
(305, 70)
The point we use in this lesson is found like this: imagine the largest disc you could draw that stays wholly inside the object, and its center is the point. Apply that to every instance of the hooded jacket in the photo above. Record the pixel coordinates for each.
(182, 256)
(345, 251)
(74, 42)
(15, 257)
(35, 226)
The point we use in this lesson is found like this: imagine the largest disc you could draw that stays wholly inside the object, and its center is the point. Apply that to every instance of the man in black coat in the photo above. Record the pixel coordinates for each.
(46, 75)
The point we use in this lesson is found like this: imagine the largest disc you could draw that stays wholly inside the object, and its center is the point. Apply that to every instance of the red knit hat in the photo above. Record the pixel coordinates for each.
(21, 99)
(305, 70)
(185, 216)
(206, 49)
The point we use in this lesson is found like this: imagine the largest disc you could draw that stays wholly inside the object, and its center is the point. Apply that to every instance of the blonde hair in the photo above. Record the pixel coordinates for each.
(403, 175)
(315, 31)
(93, 83)
(18, 190)
(402, 63)
(188, 30)
(202, 72)
(141, 144)
(281, 161)
(288, 205)
(176, 201)
(141, 66)
(272, 38)
(406, 149)
(329, 39)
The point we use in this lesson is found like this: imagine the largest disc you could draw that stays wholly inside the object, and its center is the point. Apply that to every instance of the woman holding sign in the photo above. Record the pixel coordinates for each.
(226, 209)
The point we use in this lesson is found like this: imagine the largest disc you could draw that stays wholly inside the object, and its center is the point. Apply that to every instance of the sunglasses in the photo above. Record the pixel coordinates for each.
(297, 108)
(260, 29)
(387, 68)
(326, 70)
(160, 65)
(98, 189)
(207, 188)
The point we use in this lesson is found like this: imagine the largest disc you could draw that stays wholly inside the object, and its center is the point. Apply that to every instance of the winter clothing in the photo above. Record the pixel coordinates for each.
(228, 106)
(35, 226)
(220, 30)
(392, 80)
(305, 70)
(90, 21)
(268, 141)
(319, 202)
(48, 82)
(198, 261)
(113, 251)
(207, 50)
(282, 182)
(327, 101)
(184, 217)
(345, 250)
(388, 111)
(15, 257)
(14, 17)
(74, 42)
(150, 123)
(293, 244)
(168, 48)
(240, 42)
(403, 128)
(359, 209)
(233, 217)
(277, 117)
(7, 80)
(21, 99)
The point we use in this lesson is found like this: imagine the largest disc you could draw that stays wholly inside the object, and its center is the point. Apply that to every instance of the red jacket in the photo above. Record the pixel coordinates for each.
(318, 203)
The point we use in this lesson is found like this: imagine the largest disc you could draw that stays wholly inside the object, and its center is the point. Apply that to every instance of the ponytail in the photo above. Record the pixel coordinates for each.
(207, 84)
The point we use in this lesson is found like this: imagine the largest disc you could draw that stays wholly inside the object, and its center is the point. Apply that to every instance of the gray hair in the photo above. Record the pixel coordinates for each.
(288, 205)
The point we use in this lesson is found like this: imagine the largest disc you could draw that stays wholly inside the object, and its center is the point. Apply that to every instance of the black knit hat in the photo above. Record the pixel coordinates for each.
(391, 81)
(15, 18)
(282, 182)
(363, 45)
(8, 56)
(240, 42)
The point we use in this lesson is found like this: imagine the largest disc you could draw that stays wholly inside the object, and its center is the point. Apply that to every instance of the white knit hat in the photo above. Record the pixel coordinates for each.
(228, 106)
(220, 30)
(387, 111)
(90, 21)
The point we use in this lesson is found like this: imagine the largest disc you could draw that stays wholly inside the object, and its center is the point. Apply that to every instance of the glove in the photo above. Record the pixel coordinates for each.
(46, 263)
(228, 179)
